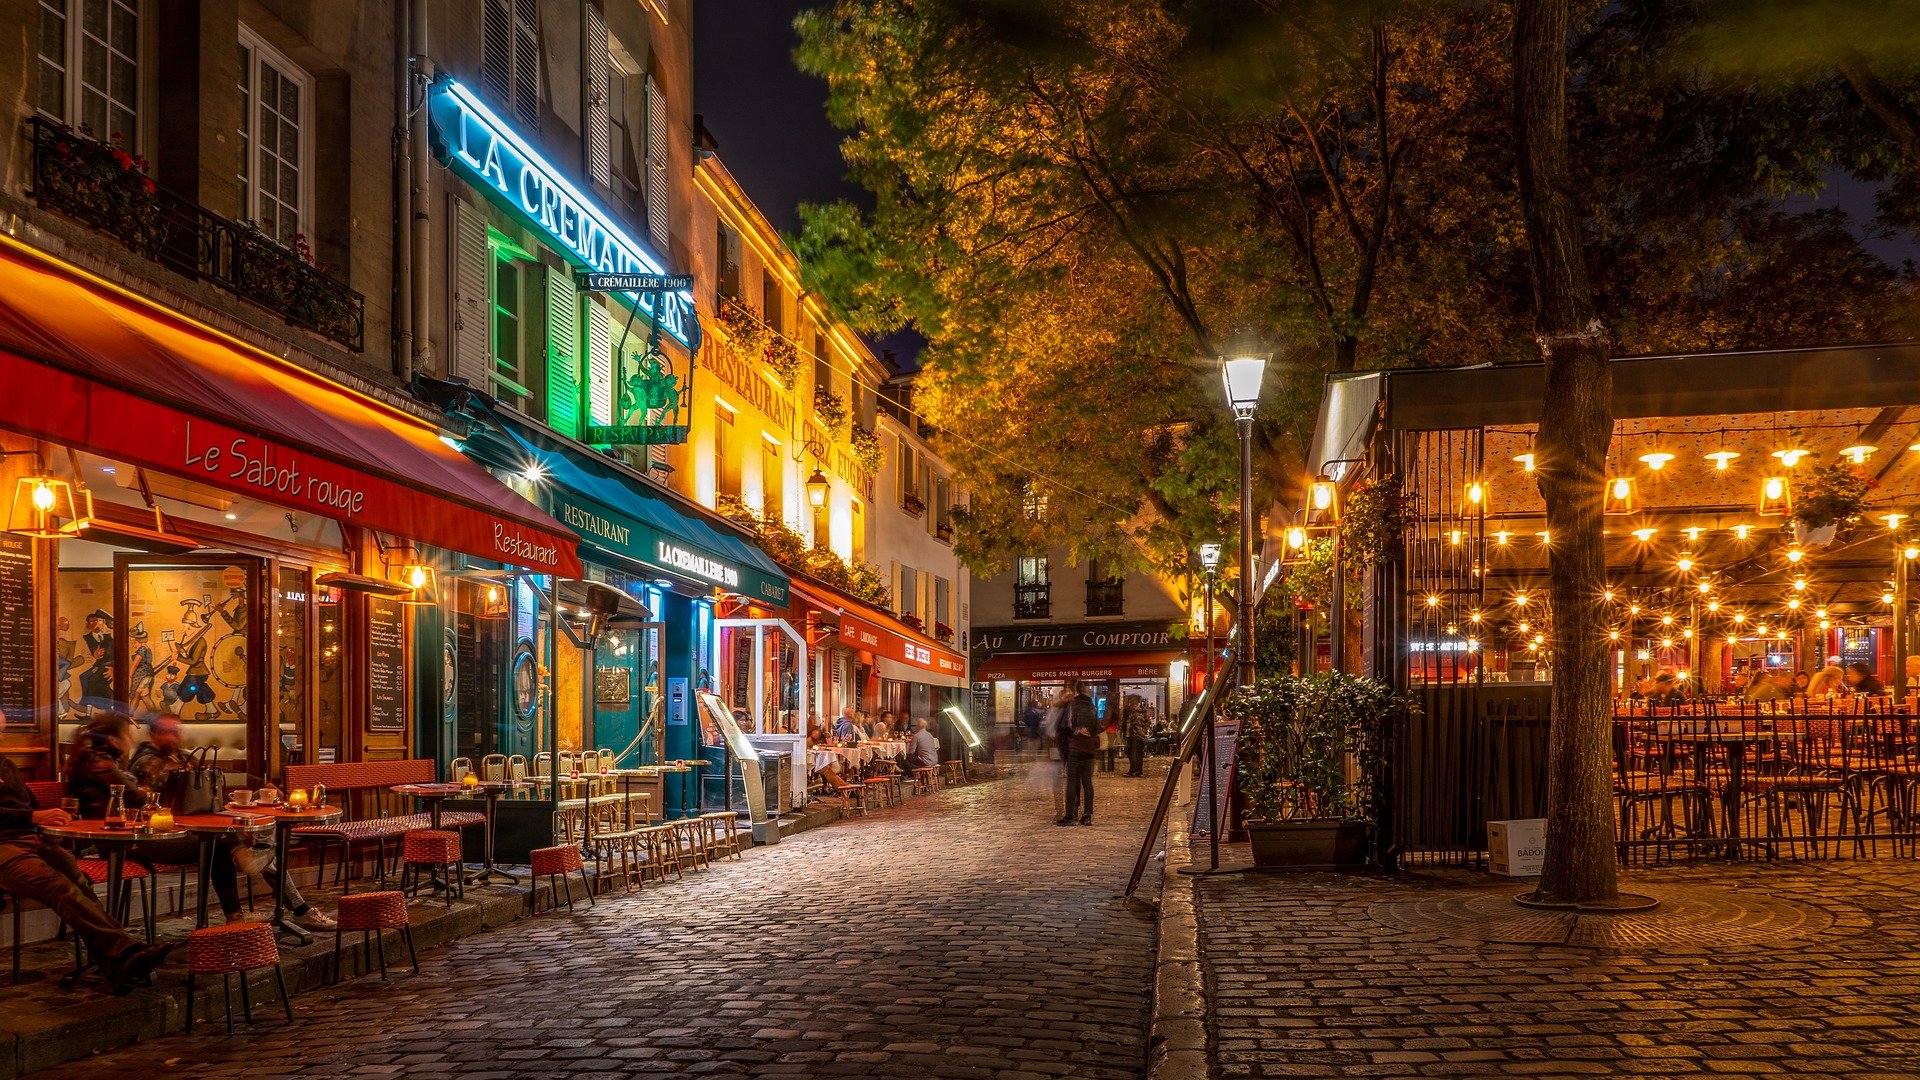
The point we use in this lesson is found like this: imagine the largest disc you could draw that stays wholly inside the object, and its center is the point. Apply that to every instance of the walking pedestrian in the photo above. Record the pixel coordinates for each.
(1082, 727)
(1135, 723)
(1110, 744)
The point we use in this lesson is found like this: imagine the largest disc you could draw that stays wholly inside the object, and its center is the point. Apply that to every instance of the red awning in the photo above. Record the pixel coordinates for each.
(89, 366)
(899, 643)
(1046, 668)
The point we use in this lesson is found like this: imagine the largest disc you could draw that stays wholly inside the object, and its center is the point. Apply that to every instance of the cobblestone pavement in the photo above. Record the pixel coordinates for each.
(962, 935)
(1809, 970)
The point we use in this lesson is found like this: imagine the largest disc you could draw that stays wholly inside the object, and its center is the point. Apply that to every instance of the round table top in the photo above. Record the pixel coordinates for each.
(96, 830)
(313, 815)
(220, 823)
(431, 791)
(1732, 736)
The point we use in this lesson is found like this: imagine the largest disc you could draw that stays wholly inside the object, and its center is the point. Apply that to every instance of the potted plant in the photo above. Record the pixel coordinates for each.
(912, 503)
(1833, 495)
(1308, 761)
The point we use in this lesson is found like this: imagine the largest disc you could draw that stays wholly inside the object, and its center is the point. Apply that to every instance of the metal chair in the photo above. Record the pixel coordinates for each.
(493, 767)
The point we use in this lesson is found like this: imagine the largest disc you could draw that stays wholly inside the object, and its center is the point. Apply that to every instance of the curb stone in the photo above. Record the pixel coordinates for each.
(1177, 1039)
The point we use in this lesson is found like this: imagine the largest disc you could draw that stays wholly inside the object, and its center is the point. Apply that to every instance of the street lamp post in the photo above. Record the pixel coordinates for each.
(1210, 561)
(1242, 376)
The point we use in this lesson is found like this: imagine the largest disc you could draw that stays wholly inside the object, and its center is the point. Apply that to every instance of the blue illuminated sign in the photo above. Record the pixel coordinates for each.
(488, 152)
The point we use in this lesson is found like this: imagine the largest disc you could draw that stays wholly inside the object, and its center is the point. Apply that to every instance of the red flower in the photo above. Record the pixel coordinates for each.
(125, 160)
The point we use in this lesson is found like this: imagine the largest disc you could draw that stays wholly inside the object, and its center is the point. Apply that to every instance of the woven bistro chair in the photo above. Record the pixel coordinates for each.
(372, 914)
(234, 949)
(431, 851)
(556, 864)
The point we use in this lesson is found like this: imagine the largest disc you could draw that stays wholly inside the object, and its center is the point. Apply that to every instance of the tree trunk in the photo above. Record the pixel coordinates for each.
(1576, 424)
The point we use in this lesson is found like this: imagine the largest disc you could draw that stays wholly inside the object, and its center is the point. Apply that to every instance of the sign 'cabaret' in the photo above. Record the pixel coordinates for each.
(492, 154)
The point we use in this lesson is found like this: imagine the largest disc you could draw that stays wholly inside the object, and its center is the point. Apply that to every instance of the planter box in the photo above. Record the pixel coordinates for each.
(1308, 845)
(1517, 848)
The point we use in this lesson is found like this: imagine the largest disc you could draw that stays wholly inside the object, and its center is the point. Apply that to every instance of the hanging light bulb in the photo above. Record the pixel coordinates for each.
(1633, 609)
(1693, 533)
(1613, 635)
(1687, 633)
(1520, 599)
(1526, 627)
(1667, 619)
(1782, 635)
(1858, 453)
(1609, 596)
(1474, 615)
(1656, 460)
(1545, 537)
(1912, 551)
(1323, 501)
(1739, 617)
(1705, 586)
(1886, 597)
(1454, 537)
(1452, 629)
(1502, 537)
(1473, 644)
(1685, 562)
(1479, 495)
(1525, 460)
(1722, 458)
(1893, 520)
(1791, 457)
(1776, 497)
(1826, 624)
(1741, 532)
(1432, 600)
(1799, 584)
(1620, 496)
(1644, 535)
(1795, 554)
(1666, 643)
(1539, 640)
(1793, 603)
(1713, 605)
(1820, 613)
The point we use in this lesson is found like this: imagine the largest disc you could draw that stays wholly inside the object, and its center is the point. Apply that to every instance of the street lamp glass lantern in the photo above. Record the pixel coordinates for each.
(1323, 500)
(1242, 375)
(818, 486)
(1210, 556)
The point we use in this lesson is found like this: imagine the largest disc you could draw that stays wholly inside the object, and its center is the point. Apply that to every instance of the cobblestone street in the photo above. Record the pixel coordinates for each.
(1809, 970)
(962, 935)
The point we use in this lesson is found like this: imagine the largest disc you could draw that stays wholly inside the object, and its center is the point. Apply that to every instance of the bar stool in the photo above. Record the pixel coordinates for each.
(616, 854)
(882, 789)
(662, 852)
(121, 902)
(723, 833)
(434, 850)
(690, 834)
(926, 778)
(554, 864)
(236, 948)
(372, 914)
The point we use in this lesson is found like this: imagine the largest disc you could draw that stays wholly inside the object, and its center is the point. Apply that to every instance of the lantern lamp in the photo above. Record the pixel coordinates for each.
(38, 503)
(1776, 497)
(1893, 520)
(1722, 459)
(1323, 501)
(818, 488)
(1619, 498)
(1241, 376)
(1210, 553)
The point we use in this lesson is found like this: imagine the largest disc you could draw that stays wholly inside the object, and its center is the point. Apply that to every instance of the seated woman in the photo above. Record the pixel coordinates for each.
(1862, 680)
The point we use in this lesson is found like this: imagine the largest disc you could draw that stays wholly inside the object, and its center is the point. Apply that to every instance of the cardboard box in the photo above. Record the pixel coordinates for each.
(1516, 848)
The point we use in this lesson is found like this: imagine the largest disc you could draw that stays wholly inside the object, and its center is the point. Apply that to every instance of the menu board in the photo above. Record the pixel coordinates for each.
(386, 665)
(16, 630)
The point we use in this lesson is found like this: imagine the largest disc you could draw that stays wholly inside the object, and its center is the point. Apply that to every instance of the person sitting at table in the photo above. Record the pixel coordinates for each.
(1666, 691)
(1767, 687)
(924, 750)
(883, 727)
(98, 762)
(38, 869)
(1827, 681)
(161, 765)
(847, 728)
(1862, 680)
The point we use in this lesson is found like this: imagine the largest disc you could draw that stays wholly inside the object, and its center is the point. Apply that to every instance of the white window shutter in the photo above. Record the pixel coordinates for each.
(599, 131)
(563, 352)
(472, 302)
(526, 62)
(657, 166)
(496, 72)
(600, 390)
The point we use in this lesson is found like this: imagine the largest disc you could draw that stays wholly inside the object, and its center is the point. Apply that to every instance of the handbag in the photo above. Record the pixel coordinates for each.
(198, 787)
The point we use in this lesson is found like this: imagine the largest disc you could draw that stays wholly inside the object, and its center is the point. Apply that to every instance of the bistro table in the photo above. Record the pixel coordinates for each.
(1736, 741)
(431, 794)
(493, 791)
(113, 845)
(209, 829)
(285, 820)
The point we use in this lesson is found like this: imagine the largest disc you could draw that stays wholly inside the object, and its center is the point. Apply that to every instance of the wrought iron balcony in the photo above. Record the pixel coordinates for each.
(106, 187)
(1032, 601)
(1106, 597)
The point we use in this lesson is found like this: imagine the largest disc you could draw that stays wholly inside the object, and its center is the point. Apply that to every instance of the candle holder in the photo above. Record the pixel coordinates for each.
(297, 799)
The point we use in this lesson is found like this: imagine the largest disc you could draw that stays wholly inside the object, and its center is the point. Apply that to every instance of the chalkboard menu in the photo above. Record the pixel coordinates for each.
(386, 665)
(16, 630)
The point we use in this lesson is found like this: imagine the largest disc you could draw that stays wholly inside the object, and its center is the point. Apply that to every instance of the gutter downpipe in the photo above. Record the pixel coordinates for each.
(419, 199)
(403, 266)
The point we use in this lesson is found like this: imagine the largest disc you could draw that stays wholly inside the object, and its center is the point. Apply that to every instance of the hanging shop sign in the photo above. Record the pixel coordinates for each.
(468, 136)
(1063, 638)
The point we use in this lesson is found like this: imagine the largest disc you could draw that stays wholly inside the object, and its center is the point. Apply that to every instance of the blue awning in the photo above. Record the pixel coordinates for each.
(618, 516)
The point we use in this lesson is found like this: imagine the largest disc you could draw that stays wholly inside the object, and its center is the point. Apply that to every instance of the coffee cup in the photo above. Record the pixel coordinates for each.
(241, 796)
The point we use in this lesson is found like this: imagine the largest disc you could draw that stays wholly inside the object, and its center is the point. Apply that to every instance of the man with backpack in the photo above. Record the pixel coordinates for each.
(1080, 727)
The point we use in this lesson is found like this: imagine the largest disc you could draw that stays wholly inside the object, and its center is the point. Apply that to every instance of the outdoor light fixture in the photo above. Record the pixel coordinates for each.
(966, 730)
(1693, 532)
(1685, 562)
(1858, 453)
(1739, 617)
(1912, 552)
(534, 473)
(1525, 460)
(493, 602)
(419, 580)
(1687, 633)
(1722, 458)
(1740, 531)
(1613, 635)
(1474, 615)
(1454, 536)
(1296, 542)
(1478, 496)
(1655, 461)
(1501, 537)
(1667, 619)
(1793, 604)
(1713, 605)
(1791, 457)
(1644, 535)
(1432, 600)
(1893, 520)
(1323, 501)
(1795, 554)
(1242, 376)
(1210, 553)
(1799, 584)
(1526, 627)
(1545, 536)
(38, 503)
(1666, 643)
(1619, 496)
(1706, 586)
(818, 488)
(1520, 599)
(1776, 497)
